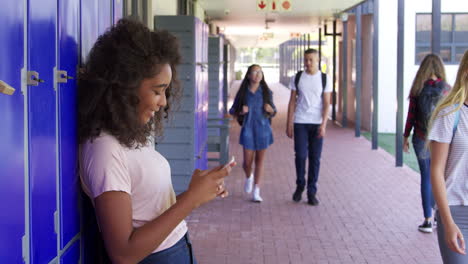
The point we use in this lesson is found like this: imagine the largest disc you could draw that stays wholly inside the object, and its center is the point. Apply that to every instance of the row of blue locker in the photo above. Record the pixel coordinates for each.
(196, 124)
(42, 44)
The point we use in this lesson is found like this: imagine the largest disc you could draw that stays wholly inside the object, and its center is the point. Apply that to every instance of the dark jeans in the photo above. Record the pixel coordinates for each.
(424, 162)
(180, 253)
(307, 144)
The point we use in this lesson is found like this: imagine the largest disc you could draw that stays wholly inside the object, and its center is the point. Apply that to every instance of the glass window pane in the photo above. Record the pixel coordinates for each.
(423, 37)
(459, 53)
(423, 22)
(461, 28)
(423, 28)
(446, 22)
(446, 27)
(461, 22)
(446, 54)
(421, 52)
(446, 37)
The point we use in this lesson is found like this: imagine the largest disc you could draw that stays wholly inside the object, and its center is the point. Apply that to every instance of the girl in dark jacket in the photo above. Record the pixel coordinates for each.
(428, 87)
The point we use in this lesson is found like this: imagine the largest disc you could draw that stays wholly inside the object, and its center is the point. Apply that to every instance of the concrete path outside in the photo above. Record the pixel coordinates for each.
(369, 209)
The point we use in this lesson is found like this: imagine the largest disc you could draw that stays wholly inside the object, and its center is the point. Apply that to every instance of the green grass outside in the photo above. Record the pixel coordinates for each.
(387, 142)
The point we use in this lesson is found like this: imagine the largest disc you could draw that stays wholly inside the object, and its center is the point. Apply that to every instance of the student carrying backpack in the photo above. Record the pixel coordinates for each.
(427, 100)
(306, 123)
(297, 78)
(429, 86)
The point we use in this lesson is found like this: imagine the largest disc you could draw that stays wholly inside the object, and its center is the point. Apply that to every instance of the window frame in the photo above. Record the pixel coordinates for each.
(452, 45)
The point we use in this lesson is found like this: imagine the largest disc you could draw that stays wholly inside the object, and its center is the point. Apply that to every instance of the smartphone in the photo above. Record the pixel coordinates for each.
(230, 162)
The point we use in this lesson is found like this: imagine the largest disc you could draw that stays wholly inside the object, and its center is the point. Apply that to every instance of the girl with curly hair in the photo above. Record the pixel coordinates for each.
(124, 92)
(253, 106)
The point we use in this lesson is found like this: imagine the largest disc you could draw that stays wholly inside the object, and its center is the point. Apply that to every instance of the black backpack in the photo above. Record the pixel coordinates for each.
(427, 101)
(298, 77)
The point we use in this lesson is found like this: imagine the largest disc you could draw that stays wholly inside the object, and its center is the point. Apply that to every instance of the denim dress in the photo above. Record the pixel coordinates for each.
(256, 131)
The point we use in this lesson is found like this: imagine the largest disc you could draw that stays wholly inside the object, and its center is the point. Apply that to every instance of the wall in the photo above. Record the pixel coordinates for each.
(164, 7)
(387, 65)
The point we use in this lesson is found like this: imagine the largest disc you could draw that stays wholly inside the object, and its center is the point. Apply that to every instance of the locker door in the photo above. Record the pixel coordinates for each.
(118, 10)
(41, 126)
(72, 255)
(89, 26)
(89, 34)
(205, 95)
(12, 159)
(198, 96)
(105, 15)
(67, 55)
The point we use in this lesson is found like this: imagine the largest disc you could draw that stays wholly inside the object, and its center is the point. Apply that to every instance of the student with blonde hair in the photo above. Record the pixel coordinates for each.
(428, 87)
(448, 142)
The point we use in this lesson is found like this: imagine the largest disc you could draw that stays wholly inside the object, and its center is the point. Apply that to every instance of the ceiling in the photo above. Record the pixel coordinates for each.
(240, 21)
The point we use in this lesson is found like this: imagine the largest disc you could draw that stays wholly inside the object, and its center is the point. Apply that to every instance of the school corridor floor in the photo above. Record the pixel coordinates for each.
(369, 209)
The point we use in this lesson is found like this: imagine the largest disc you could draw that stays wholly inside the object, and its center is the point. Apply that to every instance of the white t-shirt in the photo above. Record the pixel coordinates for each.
(106, 165)
(456, 169)
(309, 100)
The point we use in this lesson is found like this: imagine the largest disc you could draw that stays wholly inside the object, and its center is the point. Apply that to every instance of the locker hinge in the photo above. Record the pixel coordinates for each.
(56, 222)
(24, 81)
(25, 249)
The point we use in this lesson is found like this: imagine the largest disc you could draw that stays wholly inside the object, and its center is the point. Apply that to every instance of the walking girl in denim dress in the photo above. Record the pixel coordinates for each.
(253, 107)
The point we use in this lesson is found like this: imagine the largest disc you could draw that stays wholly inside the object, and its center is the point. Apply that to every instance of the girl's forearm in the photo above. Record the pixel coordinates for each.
(440, 197)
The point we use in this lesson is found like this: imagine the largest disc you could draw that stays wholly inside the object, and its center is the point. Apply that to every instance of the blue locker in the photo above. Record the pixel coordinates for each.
(202, 128)
(104, 15)
(89, 26)
(12, 161)
(215, 76)
(42, 130)
(68, 38)
(185, 137)
(72, 254)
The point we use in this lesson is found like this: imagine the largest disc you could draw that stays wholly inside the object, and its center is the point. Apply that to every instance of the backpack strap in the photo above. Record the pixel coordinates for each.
(457, 119)
(324, 81)
(296, 80)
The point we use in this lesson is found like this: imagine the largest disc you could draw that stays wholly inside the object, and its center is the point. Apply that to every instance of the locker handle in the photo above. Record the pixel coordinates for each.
(37, 79)
(33, 78)
(6, 89)
(62, 76)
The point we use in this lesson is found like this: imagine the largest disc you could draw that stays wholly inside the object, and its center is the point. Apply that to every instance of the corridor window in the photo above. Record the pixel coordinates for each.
(454, 36)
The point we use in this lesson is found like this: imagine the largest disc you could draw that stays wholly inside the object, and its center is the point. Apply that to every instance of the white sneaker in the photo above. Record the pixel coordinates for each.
(248, 184)
(256, 195)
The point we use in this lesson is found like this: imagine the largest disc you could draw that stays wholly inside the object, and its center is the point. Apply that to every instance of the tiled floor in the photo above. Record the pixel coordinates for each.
(369, 209)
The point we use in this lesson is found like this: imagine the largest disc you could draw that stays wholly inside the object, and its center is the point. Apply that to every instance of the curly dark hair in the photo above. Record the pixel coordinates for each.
(119, 61)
